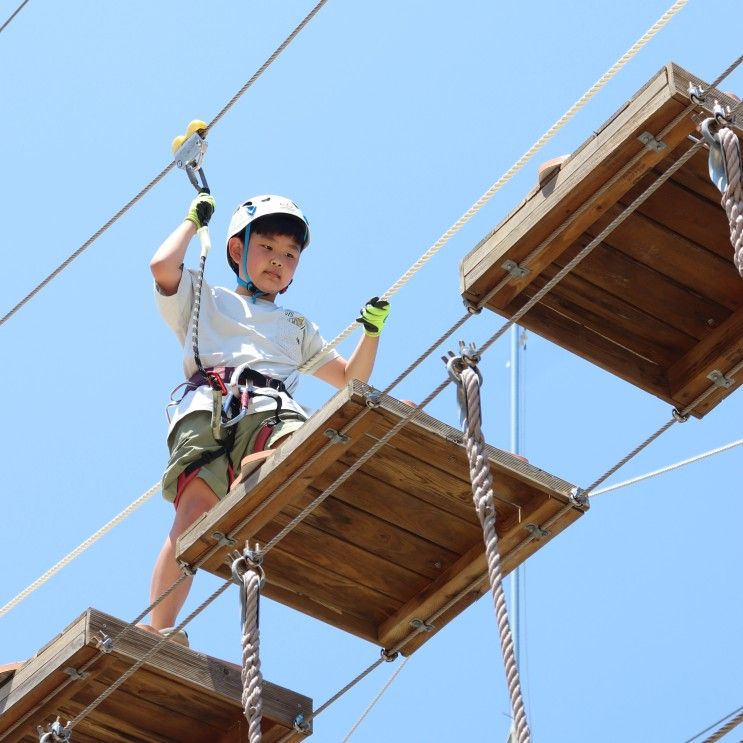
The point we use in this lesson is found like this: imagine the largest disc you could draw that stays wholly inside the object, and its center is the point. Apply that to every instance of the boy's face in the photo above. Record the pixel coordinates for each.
(272, 261)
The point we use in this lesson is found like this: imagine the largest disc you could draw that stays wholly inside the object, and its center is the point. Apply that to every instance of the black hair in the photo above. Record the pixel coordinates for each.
(275, 224)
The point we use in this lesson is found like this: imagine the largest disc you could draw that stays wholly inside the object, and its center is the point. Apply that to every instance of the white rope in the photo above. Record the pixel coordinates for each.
(669, 468)
(89, 542)
(376, 699)
(515, 168)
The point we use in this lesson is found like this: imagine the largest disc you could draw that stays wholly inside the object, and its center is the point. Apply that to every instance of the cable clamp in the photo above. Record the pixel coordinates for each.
(720, 380)
(678, 417)
(247, 560)
(537, 531)
(187, 569)
(579, 498)
(223, 540)
(421, 625)
(513, 268)
(55, 732)
(103, 642)
(651, 143)
(373, 399)
(471, 307)
(695, 93)
(388, 656)
(301, 725)
(717, 162)
(75, 674)
(336, 437)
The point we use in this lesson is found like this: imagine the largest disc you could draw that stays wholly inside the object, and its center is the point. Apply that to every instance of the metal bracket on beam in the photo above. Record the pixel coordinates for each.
(77, 675)
(720, 380)
(537, 531)
(336, 437)
(422, 625)
(651, 142)
(104, 642)
(579, 498)
(513, 268)
(223, 540)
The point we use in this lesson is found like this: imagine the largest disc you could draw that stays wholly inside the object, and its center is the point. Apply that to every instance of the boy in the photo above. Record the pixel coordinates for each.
(240, 328)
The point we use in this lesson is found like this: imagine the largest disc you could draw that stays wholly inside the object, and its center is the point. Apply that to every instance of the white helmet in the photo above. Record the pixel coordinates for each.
(261, 206)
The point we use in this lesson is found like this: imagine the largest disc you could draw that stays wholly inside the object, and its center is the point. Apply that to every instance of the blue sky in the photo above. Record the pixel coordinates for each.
(385, 121)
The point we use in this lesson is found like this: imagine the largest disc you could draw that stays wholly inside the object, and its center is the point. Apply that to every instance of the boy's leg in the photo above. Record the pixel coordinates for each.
(197, 498)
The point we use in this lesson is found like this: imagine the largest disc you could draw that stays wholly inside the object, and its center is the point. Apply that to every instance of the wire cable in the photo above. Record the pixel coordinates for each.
(376, 699)
(668, 468)
(515, 168)
(714, 725)
(163, 172)
(13, 15)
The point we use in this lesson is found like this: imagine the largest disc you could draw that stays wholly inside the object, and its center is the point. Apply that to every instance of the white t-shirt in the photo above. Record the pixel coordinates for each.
(234, 330)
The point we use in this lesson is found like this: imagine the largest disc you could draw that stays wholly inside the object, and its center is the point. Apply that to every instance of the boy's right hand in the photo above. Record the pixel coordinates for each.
(202, 208)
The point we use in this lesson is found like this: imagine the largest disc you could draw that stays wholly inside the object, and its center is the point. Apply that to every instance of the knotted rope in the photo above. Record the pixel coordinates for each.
(465, 373)
(732, 197)
(249, 575)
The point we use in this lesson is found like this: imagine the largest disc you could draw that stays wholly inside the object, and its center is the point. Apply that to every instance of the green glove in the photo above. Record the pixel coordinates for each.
(202, 208)
(373, 316)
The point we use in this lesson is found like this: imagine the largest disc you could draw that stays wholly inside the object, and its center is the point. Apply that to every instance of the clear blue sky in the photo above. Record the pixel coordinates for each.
(385, 121)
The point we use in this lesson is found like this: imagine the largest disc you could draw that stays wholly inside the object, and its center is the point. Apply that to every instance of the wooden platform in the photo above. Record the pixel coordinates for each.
(179, 696)
(659, 303)
(398, 539)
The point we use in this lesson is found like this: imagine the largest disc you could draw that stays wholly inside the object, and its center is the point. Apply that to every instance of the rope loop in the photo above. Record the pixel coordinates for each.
(248, 560)
(389, 657)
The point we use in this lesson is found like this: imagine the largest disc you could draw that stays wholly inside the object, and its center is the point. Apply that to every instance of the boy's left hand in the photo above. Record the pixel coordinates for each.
(373, 316)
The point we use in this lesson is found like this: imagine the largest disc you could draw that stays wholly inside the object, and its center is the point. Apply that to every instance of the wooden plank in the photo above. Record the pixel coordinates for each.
(680, 210)
(721, 350)
(614, 319)
(179, 695)
(342, 557)
(471, 566)
(241, 503)
(384, 538)
(595, 348)
(659, 247)
(579, 179)
(650, 291)
(326, 588)
(376, 498)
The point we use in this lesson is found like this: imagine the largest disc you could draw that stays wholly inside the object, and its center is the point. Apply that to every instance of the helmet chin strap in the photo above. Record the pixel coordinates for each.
(255, 292)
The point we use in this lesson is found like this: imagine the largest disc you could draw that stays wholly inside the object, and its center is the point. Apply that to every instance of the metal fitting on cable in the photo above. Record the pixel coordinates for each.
(246, 560)
(676, 413)
(373, 399)
(104, 643)
(55, 733)
(187, 569)
(471, 307)
(579, 498)
(388, 656)
(696, 93)
(421, 625)
(301, 725)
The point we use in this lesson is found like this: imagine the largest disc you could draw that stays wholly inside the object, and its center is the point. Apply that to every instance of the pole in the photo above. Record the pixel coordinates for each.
(515, 446)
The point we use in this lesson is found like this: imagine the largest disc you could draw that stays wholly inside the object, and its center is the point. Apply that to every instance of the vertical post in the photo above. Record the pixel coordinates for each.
(515, 446)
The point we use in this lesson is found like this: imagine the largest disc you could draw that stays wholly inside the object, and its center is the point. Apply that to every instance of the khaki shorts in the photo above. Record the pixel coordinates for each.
(192, 438)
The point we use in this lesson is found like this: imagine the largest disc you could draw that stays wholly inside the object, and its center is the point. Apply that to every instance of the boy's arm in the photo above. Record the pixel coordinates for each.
(338, 371)
(167, 263)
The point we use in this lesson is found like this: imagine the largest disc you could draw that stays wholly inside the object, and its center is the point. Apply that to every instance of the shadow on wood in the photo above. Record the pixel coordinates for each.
(659, 303)
(396, 541)
(178, 696)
